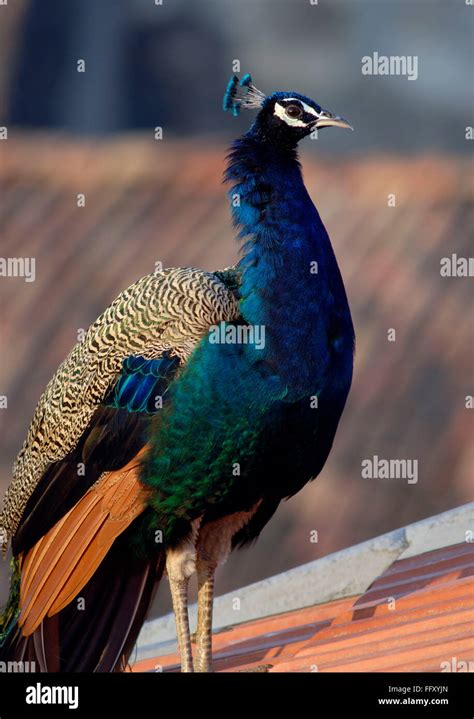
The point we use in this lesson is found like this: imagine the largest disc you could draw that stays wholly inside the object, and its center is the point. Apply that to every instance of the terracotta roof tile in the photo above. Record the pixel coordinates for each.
(417, 614)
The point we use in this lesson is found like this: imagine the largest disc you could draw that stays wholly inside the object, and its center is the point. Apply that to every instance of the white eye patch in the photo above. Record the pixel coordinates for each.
(307, 108)
(280, 111)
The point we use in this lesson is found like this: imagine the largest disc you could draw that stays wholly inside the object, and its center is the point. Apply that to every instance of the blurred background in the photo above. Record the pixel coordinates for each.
(166, 65)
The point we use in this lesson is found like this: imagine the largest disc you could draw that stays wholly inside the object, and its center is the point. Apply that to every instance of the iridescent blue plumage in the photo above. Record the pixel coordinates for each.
(142, 384)
(273, 411)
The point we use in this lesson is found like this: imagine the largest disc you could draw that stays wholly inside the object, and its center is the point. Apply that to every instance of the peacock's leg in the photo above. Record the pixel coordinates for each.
(212, 548)
(179, 595)
(180, 564)
(205, 576)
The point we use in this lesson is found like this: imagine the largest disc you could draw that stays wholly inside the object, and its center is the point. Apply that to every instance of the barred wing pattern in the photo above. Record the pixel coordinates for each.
(169, 311)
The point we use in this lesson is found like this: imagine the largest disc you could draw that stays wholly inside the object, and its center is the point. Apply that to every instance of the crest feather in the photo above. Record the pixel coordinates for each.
(242, 94)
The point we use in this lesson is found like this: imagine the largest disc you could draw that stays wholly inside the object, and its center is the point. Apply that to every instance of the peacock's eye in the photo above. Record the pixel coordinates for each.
(294, 111)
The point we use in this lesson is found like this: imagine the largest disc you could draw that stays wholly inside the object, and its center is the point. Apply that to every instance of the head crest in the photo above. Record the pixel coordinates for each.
(242, 94)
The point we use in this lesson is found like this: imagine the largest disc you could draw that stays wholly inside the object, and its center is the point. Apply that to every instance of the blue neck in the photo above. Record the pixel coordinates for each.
(290, 278)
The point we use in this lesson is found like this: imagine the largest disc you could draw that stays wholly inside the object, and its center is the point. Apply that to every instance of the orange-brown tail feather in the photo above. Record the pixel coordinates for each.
(63, 561)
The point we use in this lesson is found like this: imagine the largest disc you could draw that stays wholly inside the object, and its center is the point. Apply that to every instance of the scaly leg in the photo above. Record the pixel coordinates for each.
(212, 548)
(205, 576)
(179, 595)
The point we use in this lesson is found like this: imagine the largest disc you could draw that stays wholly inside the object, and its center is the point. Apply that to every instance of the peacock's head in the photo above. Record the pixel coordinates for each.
(283, 117)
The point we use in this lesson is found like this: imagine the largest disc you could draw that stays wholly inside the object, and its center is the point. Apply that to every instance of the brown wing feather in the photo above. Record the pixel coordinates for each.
(61, 563)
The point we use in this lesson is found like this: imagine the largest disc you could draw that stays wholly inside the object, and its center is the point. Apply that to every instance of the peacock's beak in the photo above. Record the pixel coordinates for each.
(327, 119)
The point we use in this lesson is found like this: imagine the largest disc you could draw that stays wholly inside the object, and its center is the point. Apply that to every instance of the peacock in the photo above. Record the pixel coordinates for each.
(191, 408)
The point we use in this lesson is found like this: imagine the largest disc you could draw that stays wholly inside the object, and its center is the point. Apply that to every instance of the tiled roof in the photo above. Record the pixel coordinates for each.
(416, 616)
